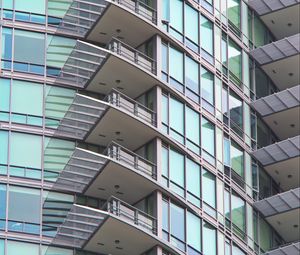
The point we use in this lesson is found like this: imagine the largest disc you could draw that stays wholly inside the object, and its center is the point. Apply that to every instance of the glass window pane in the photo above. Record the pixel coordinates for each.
(176, 14)
(207, 86)
(164, 58)
(164, 161)
(165, 110)
(237, 159)
(192, 125)
(237, 251)
(4, 95)
(166, 10)
(193, 226)
(1, 246)
(176, 64)
(24, 205)
(234, 12)
(207, 37)
(177, 168)
(14, 248)
(235, 59)
(191, 23)
(176, 115)
(177, 222)
(265, 235)
(21, 99)
(208, 188)
(208, 136)
(3, 147)
(227, 152)
(209, 239)
(238, 212)
(192, 75)
(2, 205)
(20, 155)
(165, 218)
(6, 43)
(29, 47)
(33, 6)
(236, 112)
(193, 177)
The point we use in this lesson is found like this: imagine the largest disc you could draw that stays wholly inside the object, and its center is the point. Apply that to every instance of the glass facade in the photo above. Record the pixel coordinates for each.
(199, 146)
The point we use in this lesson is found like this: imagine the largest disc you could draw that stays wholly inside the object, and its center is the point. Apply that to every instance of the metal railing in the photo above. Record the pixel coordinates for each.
(127, 157)
(134, 215)
(132, 54)
(121, 100)
(140, 8)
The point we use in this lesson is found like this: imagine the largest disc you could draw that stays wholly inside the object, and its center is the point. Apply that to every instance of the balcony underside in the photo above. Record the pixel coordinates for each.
(281, 112)
(119, 73)
(290, 249)
(282, 212)
(280, 60)
(102, 232)
(278, 14)
(118, 21)
(123, 127)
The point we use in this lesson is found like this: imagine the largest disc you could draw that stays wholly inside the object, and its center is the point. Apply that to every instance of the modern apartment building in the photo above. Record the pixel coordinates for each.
(149, 127)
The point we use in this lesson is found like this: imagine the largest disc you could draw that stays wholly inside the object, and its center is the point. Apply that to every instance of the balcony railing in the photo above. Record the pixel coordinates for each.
(132, 54)
(127, 157)
(120, 100)
(129, 213)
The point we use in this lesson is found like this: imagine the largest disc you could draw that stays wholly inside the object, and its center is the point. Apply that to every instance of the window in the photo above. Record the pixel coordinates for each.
(265, 235)
(177, 171)
(236, 113)
(177, 119)
(176, 15)
(235, 60)
(2, 206)
(4, 99)
(6, 48)
(207, 87)
(238, 214)
(237, 159)
(208, 139)
(209, 239)
(22, 248)
(3, 149)
(193, 130)
(192, 75)
(193, 182)
(234, 13)
(19, 153)
(24, 210)
(177, 226)
(176, 64)
(191, 24)
(193, 227)
(33, 6)
(1, 246)
(209, 191)
(207, 41)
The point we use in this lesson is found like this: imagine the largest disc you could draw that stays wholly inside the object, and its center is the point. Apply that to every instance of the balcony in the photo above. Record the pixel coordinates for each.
(116, 171)
(282, 212)
(281, 112)
(107, 230)
(291, 249)
(100, 69)
(281, 17)
(280, 60)
(94, 121)
(101, 20)
(281, 161)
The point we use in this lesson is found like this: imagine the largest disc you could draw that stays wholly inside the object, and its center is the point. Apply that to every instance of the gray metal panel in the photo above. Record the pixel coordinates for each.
(263, 7)
(277, 50)
(279, 203)
(290, 249)
(277, 152)
(79, 225)
(80, 170)
(277, 102)
(81, 116)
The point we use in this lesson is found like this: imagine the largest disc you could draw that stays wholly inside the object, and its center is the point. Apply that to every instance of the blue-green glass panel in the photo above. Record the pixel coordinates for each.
(176, 64)
(234, 12)
(166, 10)
(207, 85)
(165, 110)
(14, 248)
(191, 23)
(207, 37)
(209, 239)
(193, 178)
(165, 213)
(177, 222)
(237, 159)
(192, 74)
(208, 188)
(208, 136)
(164, 58)
(235, 59)
(193, 226)
(238, 212)
(2, 203)
(192, 125)
(6, 44)
(165, 161)
(177, 116)
(33, 6)
(3, 147)
(4, 95)
(177, 168)
(1, 246)
(176, 14)
(227, 152)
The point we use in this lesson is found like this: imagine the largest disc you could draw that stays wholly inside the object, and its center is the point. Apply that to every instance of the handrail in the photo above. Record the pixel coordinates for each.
(116, 46)
(109, 151)
(115, 96)
(114, 206)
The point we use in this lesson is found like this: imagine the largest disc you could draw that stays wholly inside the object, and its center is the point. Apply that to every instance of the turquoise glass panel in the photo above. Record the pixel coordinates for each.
(191, 24)
(209, 239)
(6, 43)
(4, 95)
(2, 203)
(207, 36)
(164, 161)
(14, 248)
(177, 168)
(177, 116)
(176, 14)
(176, 64)
(192, 125)
(193, 226)
(192, 75)
(33, 6)
(234, 12)
(238, 212)
(177, 222)
(208, 136)
(208, 188)
(3, 147)
(207, 85)
(237, 159)
(235, 59)
(193, 178)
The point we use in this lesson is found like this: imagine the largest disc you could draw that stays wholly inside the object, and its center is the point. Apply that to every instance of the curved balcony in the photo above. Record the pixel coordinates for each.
(282, 212)
(116, 171)
(106, 230)
(280, 60)
(281, 161)
(100, 20)
(100, 69)
(281, 17)
(94, 121)
(281, 112)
